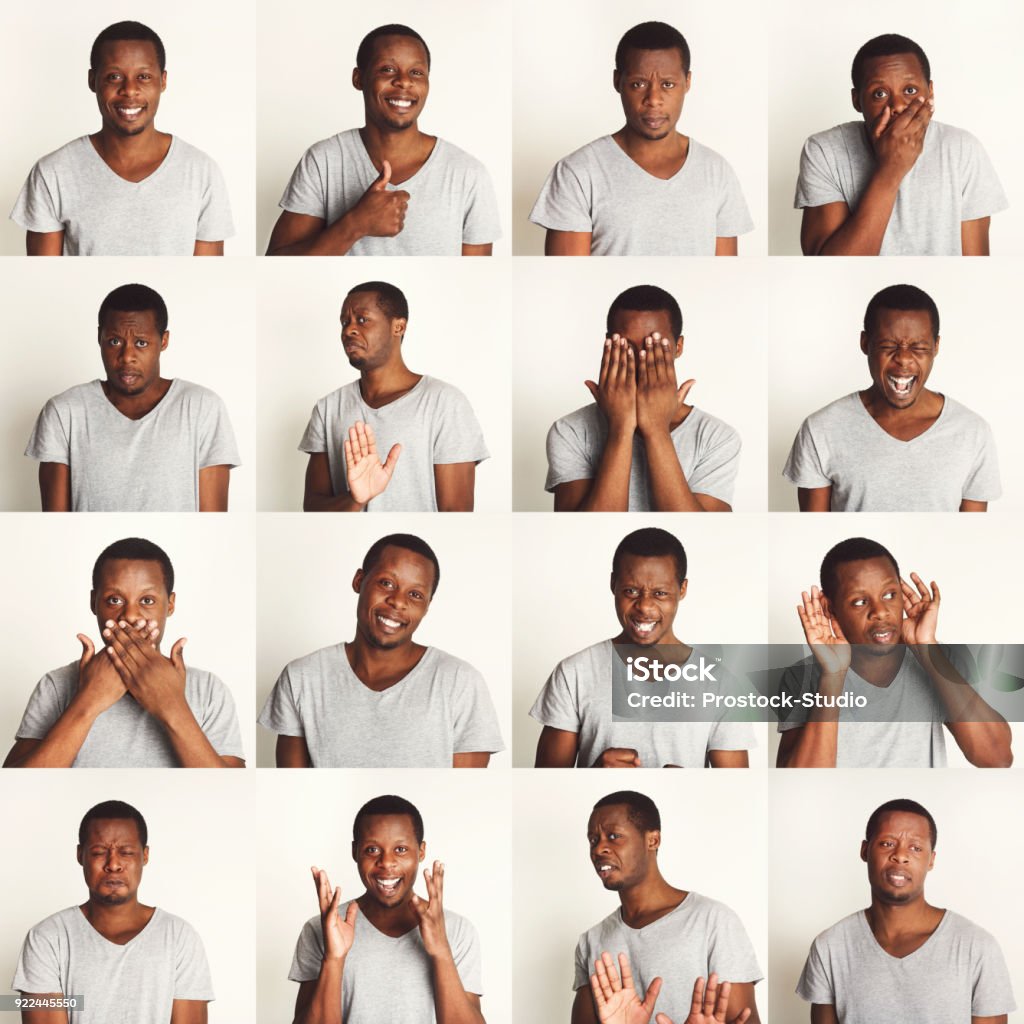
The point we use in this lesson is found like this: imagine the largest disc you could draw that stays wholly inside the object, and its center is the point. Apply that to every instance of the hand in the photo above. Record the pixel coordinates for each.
(617, 1001)
(658, 401)
(922, 611)
(99, 685)
(431, 913)
(898, 139)
(711, 1006)
(826, 640)
(618, 757)
(367, 477)
(380, 213)
(615, 391)
(338, 934)
(156, 682)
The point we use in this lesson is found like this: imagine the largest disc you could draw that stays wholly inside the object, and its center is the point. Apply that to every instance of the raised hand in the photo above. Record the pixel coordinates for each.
(828, 645)
(99, 684)
(898, 139)
(617, 1001)
(156, 682)
(367, 476)
(379, 212)
(431, 913)
(922, 611)
(339, 934)
(615, 391)
(710, 1005)
(618, 757)
(658, 400)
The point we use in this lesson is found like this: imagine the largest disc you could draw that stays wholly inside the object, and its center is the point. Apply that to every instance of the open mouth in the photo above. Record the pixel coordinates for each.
(388, 624)
(129, 113)
(643, 628)
(400, 104)
(901, 386)
(387, 886)
(897, 878)
(884, 635)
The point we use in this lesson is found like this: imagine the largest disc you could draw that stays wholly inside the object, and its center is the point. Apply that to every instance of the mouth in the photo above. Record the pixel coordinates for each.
(126, 113)
(388, 624)
(129, 379)
(387, 887)
(897, 879)
(604, 869)
(884, 635)
(901, 387)
(643, 628)
(400, 103)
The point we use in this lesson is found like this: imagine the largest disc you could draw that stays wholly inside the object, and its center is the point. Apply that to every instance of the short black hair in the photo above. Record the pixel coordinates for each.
(902, 297)
(642, 810)
(900, 806)
(409, 542)
(653, 35)
(365, 51)
(391, 301)
(853, 549)
(135, 549)
(647, 298)
(651, 542)
(134, 298)
(390, 805)
(116, 810)
(123, 30)
(887, 46)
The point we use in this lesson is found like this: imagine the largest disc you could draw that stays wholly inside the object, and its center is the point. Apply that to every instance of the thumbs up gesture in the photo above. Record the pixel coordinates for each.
(380, 212)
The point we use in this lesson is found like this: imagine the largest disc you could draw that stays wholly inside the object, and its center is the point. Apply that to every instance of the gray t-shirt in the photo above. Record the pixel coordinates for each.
(123, 465)
(708, 451)
(439, 709)
(134, 983)
(700, 936)
(125, 735)
(74, 191)
(951, 181)
(577, 697)
(451, 199)
(871, 471)
(629, 212)
(434, 423)
(958, 973)
(901, 726)
(386, 978)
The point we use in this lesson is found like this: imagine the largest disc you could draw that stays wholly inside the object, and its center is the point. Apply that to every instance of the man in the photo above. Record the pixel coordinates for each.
(647, 190)
(427, 422)
(383, 701)
(388, 189)
(120, 956)
(897, 183)
(903, 959)
(389, 955)
(667, 934)
(127, 190)
(135, 442)
(639, 447)
(896, 446)
(873, 639)
(129, 706)
(648, 582)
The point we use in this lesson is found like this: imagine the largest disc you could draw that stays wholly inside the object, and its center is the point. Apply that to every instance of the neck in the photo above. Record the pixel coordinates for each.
(393, 146)
(135, 406)
(650, 897)
(106, 917)
(114, 145)
(386, 383)
(926, 406)
(641, 149)
(370, 662)
(398, 919)
(879, 671)
(898, 918)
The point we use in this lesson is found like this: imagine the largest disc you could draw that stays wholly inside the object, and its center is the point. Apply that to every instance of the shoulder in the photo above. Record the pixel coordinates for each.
(966, 930)
(839, 136)
(581, 420)
(843, 407)
(340, 396)
(191, 154)
(186, 391)
(54, 925)
(951, 137)
(581, 661)
(592, 154)
(458, 925)
(709, 157)
(454, 156)
(76, 396)
(177, 926)
(440, 389)
(839, 934)
(595, 932)
(447, 664)
(71, 153)
(341, 142)
(313, 663)
(965, 418)
(65, 678)
(711, 428)
(202, 682)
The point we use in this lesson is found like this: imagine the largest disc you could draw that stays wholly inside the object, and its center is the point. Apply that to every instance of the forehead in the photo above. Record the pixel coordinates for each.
(401, 49)
(131, 574)
(362, 302)
(865, 573)
(903, 323)
(637, 324)
(387, 828)
(141, 321)
(893, 66)
(898, 823)
(408, 565)
(112, 830)
(649, 62)
(614, 817)
(128, 53)
(658, 569)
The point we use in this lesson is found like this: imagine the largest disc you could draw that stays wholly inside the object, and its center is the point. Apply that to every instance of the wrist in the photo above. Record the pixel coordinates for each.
(86, 706)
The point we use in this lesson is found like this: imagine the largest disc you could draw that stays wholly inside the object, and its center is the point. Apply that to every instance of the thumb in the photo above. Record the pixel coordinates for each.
(351, 913)
(883, 121)
(383, 178)
(87, 650)
(683, 390)
(177, 660)
(592, 388)
(392, 459)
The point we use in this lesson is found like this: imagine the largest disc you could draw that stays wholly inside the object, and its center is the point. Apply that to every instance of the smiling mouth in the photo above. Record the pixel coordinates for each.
(129, 113)
(400, 104)
(389, 624)
(387, 886)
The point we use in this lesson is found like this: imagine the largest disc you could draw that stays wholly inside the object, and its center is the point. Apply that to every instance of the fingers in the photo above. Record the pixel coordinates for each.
(722, 1002)
(625, 970)
(383, 179)
(837, 630)
(600, 984)
(367, 440)
(438, 875)
(592, 387)
(882, 122)
(323, 887)
(353, 912)
(697, 1002)
(606, 361)
(653, 990)
(392, 460)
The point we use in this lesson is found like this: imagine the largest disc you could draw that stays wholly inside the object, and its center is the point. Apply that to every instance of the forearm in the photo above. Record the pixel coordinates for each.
(331, 503)
(610, 490)
(334, 240)
(862, 232)
(816, 746)
(451, 1003)
(62, 743)
(189, 742)
(325, 1006)
(670, 490)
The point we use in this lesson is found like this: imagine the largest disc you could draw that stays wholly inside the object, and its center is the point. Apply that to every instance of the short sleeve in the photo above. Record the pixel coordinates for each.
(38, 206)
(49, 441)
(280, 713)
(44, 707)
(465, 946)
(217, 445)
(564, 202)
(215, 223)
(733, 217)
(991, 990)
(815, 984)
(804, 465)
(556, 705)
(480, 222)
(306, 191)
(730, 953)
(219, 721)
(982, 483)
(726, 735)
(715, 472)
(817, 183)
(314, 438)
(459, 437)
(476, 724)
(39, 962)
(568, 457)
(309, 951)
(191, 971)
(983, 194)
(581, 974)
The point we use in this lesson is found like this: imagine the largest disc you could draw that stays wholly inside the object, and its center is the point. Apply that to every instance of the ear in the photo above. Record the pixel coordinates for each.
(398, 326)
(616, 79)
(864, 344)
(855, 99)
(357, 580)
(163, 80)
(864, 850)
(164, 340)
(78, 853)
(679, 346)
(170, 605)
(826, 606)
(145, 856)
(938, 338)
(682, 589)
(423, 852)
(357, 80)
(687, 82)
(92, 88)
(354, 857)
(931, 91)
(653, 840)
(611, 582)
(92, 601)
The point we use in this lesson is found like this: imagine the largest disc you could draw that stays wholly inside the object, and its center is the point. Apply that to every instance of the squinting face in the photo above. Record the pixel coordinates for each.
(128, 84)
(395, 83)
(388, 857)
(901, 348)
(868, 604)
(619, 851)
(899, 856)
(130, 347)
(131, 589)
(112, 859)
(652, 86)
(369, 336)
(647, 595)
(894, 81)
(394, 595)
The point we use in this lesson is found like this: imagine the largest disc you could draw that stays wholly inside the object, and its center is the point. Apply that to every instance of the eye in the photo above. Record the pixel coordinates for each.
(113, 599)
(416, 595)
(113, 342)
(629, 591)
(637, 85)
(148, 600)
(911, 90)
(419, 74)
(372, 850)
(614, 835)
(661, 593)
(141, 343)
(401, 849)
(668, 85)
(879, 94)
(859, 602)
(889, 595)
(362, 320)
(387, 584)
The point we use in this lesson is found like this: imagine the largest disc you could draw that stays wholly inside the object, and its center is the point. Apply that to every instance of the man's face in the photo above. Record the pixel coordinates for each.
(899, 856)
(369, 336)
(634, 325)
(112, 859)
(394, 595)
(130, 346)
(132, 589)
(620, 852)
(868, 604)
(388, 857)
(901, 349)
(128, 84)
(395, 83)
(652, 86)
(647, 595)
(895, 82)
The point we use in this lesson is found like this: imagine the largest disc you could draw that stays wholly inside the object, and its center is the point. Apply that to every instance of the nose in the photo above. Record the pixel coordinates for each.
(113, 862)
(645, 603)
(653, 96)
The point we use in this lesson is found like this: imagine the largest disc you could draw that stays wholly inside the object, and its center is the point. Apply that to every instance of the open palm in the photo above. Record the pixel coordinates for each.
(617, 1001)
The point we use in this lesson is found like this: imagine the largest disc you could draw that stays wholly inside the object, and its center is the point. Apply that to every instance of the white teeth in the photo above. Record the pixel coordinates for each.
(388, 883)
(404, 104)
(391, 623)
(604, 868)
(901, 384)
(644, 627)
(130, 111)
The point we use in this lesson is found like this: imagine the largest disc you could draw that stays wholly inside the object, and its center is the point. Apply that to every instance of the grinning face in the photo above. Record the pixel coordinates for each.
(899, 856)
(395, 83)
(369, 336)
(647, 595)
(901, 349)
(132, 589)
(868, 604)
(130, 347)
(128, 83)
(892, 82)
(388, 857)
(652, 86)
(394, 596)
(620, 852)
(112, 859)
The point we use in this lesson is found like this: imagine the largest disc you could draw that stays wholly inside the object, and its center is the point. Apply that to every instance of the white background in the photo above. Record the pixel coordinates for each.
(467, 826)
(199, 827)
(818, 878)
(304, 90)
(458, 332)
(559, 329)
(49, 327)
(48, 565)
(973, 51)
(564, 96)
(713, 841)
(46, 100)
(307, 602)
